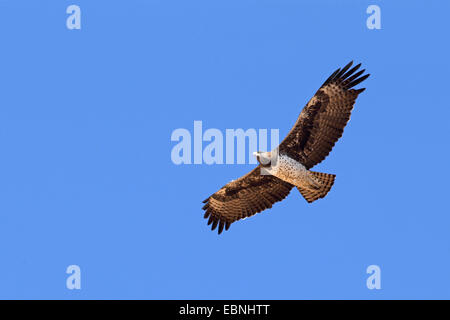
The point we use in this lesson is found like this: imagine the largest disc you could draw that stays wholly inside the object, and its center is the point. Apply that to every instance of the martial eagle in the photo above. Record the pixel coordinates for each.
(318, 127)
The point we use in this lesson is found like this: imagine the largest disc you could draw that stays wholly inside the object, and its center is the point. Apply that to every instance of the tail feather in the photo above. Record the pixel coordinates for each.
(325, 180)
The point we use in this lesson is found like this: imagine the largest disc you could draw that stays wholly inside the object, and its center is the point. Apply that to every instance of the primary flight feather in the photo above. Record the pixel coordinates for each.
(318, 127)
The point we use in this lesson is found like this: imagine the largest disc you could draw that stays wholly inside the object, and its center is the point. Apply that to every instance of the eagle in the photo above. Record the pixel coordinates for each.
(318, 127)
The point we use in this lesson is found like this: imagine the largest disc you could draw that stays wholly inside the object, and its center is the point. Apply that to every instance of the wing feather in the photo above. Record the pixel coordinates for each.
(322, 121)
(244, 197)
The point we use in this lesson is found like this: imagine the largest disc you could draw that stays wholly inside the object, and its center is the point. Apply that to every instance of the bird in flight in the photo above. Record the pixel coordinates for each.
(318, 127)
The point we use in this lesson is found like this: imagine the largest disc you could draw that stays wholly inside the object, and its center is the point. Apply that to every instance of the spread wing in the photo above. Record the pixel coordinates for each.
(250, 194)
(322, 121)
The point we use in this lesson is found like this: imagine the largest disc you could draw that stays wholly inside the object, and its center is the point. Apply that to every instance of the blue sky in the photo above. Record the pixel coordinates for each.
(86, 176)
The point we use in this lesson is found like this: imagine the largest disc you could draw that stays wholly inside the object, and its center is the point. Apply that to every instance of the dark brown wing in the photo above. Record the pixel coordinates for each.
(322, 121)
(243, 198)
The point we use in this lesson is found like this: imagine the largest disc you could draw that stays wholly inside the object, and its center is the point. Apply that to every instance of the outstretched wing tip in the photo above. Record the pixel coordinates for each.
(212, 219)
(347, 77)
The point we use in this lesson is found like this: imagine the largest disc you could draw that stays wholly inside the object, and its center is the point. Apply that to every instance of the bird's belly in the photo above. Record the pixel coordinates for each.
(290, 171)
(295, 178)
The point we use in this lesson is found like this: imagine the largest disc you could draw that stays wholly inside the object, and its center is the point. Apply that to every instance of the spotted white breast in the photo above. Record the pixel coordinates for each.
(290, 170)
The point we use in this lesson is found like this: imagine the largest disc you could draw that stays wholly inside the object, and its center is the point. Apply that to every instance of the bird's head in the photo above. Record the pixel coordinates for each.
(264, 158)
